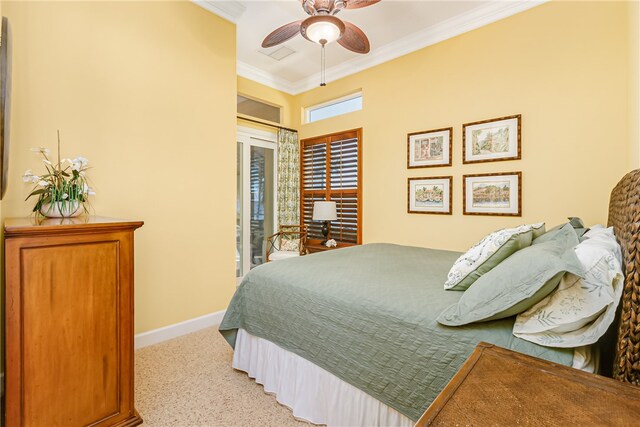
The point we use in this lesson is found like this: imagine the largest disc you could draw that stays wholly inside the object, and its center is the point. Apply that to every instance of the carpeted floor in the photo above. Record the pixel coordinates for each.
(189, 382)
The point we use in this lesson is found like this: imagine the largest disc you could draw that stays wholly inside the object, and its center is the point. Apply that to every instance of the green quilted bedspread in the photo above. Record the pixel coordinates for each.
(367, 314)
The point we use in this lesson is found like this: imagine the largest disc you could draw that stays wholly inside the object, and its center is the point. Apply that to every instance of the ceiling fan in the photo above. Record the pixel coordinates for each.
(324, 27)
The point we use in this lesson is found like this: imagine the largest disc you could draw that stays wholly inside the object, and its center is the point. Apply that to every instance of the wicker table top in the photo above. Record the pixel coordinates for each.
(499, 387)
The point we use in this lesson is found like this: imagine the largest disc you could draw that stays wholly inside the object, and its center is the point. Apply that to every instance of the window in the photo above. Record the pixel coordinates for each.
(258, 109)
(334, 108)
(330, 168)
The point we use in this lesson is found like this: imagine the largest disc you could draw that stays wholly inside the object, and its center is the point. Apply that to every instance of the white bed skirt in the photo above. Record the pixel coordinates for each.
(313, 394)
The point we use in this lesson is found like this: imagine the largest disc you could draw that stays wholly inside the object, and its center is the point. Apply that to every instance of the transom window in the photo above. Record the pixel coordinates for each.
(335, 107)
(259, 109)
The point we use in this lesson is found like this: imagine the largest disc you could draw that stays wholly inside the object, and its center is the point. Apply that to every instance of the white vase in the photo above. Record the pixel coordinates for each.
(57, 210)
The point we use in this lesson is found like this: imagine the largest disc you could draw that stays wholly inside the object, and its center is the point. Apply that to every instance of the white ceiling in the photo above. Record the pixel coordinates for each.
(394, 28)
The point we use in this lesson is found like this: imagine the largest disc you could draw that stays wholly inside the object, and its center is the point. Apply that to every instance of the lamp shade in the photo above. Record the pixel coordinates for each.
(324, 211)
(323, 30)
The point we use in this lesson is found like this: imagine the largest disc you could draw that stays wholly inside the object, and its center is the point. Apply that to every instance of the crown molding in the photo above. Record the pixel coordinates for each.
(471, 20)
(231, 10)
(268, 79)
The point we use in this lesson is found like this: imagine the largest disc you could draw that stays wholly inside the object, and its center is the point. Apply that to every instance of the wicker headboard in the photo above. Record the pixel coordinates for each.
(624, 216)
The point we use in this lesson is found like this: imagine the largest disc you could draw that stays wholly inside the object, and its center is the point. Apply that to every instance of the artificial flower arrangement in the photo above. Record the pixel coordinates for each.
(63, 191)
(331, 243)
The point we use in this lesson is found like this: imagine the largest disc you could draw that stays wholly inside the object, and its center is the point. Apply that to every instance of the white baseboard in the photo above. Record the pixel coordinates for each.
(173, 331)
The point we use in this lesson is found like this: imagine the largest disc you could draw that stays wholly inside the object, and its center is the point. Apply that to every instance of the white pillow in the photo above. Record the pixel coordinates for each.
(579, 311)
(489, 252)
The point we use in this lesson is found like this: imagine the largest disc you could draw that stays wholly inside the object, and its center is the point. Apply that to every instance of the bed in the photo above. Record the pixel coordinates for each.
(350, 336)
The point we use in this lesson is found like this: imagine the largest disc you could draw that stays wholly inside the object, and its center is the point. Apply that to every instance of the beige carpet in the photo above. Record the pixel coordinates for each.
(189, 382)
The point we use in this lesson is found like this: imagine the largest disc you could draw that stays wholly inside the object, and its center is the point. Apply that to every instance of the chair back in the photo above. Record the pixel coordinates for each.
(293, 232)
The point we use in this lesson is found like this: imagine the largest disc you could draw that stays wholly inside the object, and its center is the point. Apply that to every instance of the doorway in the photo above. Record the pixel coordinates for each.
(256, 216)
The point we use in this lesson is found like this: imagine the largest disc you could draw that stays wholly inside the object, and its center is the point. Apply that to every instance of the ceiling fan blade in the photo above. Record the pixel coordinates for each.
(357, 4)
(282, 34)
(354, 39)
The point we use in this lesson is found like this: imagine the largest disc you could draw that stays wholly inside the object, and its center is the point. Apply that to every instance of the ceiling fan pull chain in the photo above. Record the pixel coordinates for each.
(322, 66)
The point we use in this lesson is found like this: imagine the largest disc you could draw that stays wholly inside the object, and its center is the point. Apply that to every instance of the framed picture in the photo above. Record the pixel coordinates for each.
(430, 195)
(491, 140)
(429, 148)
(492, 194)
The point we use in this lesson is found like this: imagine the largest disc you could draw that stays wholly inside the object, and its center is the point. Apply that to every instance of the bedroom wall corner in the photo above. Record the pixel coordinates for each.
(146, 91)
(634, 83)
(568, 81)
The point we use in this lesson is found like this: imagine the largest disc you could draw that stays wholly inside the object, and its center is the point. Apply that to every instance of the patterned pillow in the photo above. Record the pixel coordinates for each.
(289, 245)
(580, 311)
(488, 253)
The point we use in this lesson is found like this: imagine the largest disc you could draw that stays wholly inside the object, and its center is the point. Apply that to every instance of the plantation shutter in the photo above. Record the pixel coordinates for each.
(330, 170)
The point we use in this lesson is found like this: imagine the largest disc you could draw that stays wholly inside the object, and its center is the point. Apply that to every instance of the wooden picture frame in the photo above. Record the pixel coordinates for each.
(492, 140)
(479, 198)
(429, 148)
(440, 187)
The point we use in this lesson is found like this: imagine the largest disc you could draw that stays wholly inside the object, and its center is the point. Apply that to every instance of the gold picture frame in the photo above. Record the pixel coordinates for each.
(429, 148)
(492, 140)
(430, 195)
(495, 194)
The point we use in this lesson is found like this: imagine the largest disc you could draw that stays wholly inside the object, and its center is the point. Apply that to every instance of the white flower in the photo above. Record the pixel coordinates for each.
(30, 177)
(65, 196)
(27, 175)
(67, 161)
(41, 150)
(43, 183)
(47, 162)
(79, 163)
(88, 190)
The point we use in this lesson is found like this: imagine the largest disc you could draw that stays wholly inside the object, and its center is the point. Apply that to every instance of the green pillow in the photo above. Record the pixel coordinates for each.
(489, 252)
(519, 282)
(574, 222)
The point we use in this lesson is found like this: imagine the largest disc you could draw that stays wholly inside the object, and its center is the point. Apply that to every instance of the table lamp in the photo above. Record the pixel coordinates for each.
(324, 211)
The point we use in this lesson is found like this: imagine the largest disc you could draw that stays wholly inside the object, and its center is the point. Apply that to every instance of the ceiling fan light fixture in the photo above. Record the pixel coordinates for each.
(322, 29)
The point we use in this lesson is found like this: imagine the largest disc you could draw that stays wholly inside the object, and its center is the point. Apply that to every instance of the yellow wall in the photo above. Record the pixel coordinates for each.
(147, 92)
(634, 83)
(563, 66)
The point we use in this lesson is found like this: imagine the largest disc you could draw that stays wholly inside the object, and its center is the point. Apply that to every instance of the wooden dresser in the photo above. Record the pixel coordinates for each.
(69, 322)
(499, 387)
